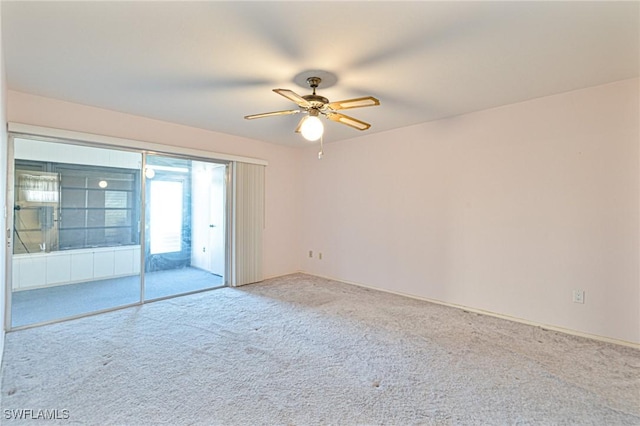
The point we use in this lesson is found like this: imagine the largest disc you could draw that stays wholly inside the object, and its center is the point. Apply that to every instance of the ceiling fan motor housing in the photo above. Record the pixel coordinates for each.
(316, 101)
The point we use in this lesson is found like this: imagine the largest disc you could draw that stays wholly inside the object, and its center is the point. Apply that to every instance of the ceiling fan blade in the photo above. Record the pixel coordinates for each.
(272, 114)
(293, 97)
(354, 103)
(299, 128)
(349, 121)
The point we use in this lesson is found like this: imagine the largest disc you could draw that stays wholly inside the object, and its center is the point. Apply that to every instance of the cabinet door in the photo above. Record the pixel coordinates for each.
(32, 272)
(103, 264)
(81, 267)
(135, 255)
(123, 262)
(58, 269)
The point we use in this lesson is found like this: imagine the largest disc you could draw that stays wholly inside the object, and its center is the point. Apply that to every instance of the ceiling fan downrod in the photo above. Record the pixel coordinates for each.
(314, 82)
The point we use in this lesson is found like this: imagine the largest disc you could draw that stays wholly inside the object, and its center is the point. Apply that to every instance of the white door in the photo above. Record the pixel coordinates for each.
(216, 223)
(208, 227)
(200, 216)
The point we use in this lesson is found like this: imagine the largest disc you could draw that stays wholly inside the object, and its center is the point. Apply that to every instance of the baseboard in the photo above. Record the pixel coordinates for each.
(489, 313)
(271, 277)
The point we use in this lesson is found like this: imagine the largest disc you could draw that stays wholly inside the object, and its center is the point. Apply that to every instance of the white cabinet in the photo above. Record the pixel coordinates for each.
(135, 255)
(103, 264)
(81, 267)
(36, 270)
(31, 272)
(123, 262)
(58, 269)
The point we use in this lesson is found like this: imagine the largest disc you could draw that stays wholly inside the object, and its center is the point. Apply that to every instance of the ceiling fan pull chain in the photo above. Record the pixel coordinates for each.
(321, 153)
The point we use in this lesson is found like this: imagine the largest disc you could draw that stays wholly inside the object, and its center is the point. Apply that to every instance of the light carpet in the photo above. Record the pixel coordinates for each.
(304, 350)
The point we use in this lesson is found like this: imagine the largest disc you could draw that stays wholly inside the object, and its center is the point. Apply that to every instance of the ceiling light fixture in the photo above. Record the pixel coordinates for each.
(312, 128)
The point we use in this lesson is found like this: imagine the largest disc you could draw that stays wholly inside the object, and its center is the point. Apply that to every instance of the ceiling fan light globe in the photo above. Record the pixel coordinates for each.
(312, 128)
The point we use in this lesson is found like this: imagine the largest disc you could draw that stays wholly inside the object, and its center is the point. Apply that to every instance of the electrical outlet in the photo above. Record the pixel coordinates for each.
(320, 256)
(578, 296)
(310, 253)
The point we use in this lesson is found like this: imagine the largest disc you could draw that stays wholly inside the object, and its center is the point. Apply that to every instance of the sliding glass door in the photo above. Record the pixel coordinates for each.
(76, 230)
(96, 229)
(185, 226)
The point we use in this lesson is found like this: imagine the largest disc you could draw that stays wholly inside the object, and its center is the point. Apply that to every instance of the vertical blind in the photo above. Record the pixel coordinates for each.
(249, 223)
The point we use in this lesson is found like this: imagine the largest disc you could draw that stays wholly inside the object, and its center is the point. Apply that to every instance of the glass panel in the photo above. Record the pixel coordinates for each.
(74, 198)
(76, 245)
(165, 230)
(185, 207)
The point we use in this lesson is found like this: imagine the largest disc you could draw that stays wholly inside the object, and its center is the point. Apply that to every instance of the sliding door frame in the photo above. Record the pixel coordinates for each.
(137, 147)
(9, 219)
(227, 219)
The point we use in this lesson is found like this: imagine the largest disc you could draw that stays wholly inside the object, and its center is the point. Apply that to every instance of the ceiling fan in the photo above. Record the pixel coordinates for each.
(315, 105)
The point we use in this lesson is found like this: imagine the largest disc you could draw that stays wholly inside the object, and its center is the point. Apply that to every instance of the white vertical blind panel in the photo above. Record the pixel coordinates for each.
(249, 223)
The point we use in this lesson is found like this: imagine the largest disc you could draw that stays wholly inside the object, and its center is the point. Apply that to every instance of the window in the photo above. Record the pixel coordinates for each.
(97, 206)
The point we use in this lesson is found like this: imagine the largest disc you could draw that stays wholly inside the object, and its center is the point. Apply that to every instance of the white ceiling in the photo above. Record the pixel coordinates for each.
(208, 64)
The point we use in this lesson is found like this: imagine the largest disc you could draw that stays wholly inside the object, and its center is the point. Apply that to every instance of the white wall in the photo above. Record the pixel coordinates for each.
(505, 210)
(281, 239)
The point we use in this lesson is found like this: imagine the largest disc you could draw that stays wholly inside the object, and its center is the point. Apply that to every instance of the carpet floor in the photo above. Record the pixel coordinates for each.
(304, 350)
